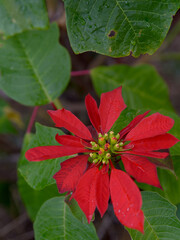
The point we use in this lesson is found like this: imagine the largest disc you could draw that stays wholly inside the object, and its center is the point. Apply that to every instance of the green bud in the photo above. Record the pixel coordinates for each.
(116, 147)
(106, 136)
(95, 160)
(95, 147)
(113, 140)
(100, 135)
(111, 133)
(92, 143)
(121, 144)
(101, 141)
(93, 155)
(118, 136)
(104, 161)
(108, 155)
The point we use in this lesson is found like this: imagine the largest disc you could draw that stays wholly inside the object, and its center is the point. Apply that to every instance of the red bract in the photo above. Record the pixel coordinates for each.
(92, 176)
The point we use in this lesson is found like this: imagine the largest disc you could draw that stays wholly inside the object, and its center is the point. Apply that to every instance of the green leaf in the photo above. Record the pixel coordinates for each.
(118, 28)
(75, 209)
(56, 221)
(40, 174)
(160, 219)
(178, 211)
(143, 88)
(126, 116)
(35, 69)
(33, 199)
(17, 16)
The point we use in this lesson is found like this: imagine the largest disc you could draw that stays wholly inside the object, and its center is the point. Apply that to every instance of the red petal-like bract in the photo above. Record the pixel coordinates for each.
(126, 200)
(102, 190)
(141, 169)
(93, 112)
(69, 140)
(49, 152)
(163, 141)
(64, 118)
(160, 155)
(132, 124)
(111, 105)
(71, 170)
(151, 126)
(85, 193)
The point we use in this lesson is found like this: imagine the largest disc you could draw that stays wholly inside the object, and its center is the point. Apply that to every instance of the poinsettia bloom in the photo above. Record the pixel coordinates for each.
(92, 175)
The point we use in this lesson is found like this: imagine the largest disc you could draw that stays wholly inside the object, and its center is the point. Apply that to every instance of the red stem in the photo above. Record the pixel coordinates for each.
(54, 106)
(80, 73)
(33, 116)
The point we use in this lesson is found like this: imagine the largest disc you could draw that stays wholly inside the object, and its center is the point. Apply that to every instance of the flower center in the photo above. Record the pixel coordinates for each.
(107, 146)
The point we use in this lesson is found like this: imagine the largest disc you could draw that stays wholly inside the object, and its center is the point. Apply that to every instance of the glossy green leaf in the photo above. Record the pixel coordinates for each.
(142, 85)
(56, 221)
(31, 198)
(117, 28)
(35, 69)
(160, 219)
(18, 15)
(40, 174)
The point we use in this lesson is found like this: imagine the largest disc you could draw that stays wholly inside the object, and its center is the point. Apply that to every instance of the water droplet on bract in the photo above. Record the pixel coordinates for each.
(119, 211)
(127, 209)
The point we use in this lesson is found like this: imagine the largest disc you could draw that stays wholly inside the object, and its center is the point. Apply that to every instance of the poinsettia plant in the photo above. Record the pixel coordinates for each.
(121, 173)
(94, 175)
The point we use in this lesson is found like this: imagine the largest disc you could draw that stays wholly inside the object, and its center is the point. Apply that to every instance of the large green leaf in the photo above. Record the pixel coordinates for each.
(35, 69)
(142, 85)
(117, 28)
(18, 15)
(160, 219)
(56, 221)
(33, 199)
(40, 174)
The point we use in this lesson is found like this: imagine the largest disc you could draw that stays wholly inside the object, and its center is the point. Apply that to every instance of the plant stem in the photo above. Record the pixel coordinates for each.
(33, 116)
(80, 73)
(57, 104)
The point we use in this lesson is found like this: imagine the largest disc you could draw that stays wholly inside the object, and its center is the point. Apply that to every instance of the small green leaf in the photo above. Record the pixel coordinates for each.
(17, 16)
(33, 199)
(126, 116)
(118, 28)
(160, 219)
(143, 88)
(40, 174)
(35, 68)
(56, 221)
